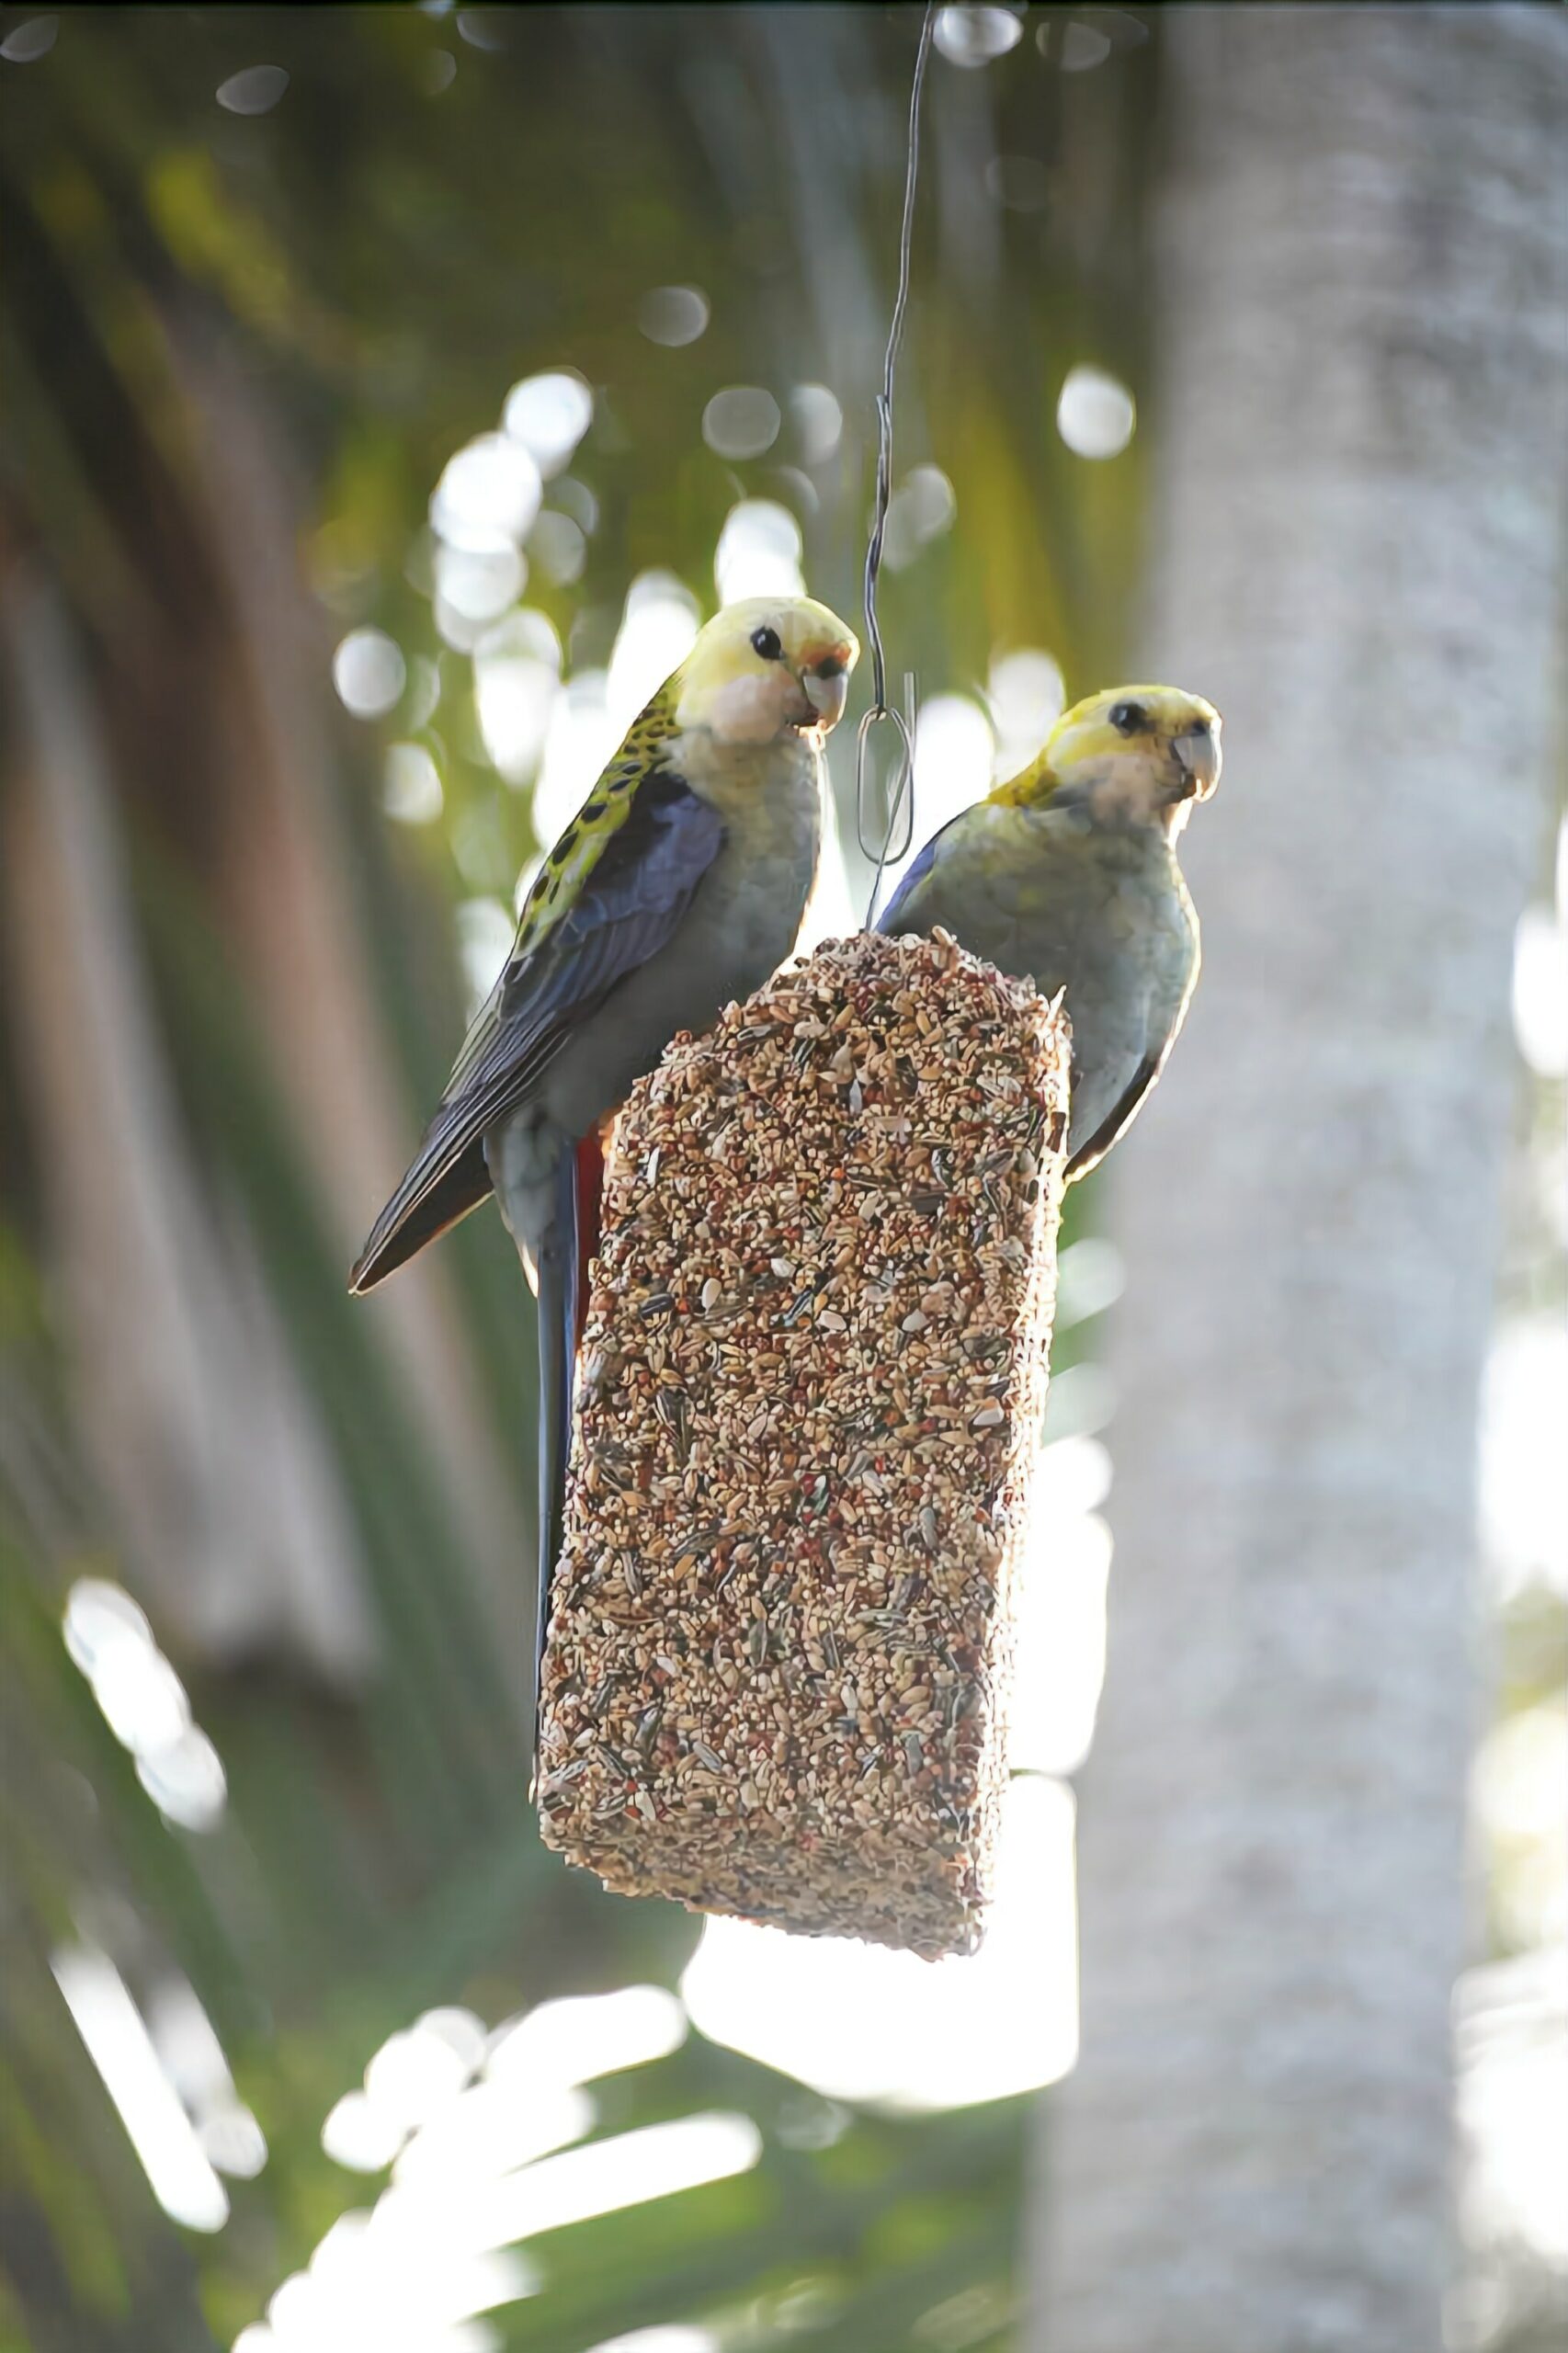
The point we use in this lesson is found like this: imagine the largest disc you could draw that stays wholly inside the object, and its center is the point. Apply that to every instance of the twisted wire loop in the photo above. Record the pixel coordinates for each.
(900, 801)
(900, 792)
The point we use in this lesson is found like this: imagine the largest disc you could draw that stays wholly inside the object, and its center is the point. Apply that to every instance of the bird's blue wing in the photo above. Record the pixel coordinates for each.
(914, 875)
(628, 905)
(625, 908)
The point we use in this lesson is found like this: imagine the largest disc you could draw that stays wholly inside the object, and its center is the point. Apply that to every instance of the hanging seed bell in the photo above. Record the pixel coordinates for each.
(810, 1386)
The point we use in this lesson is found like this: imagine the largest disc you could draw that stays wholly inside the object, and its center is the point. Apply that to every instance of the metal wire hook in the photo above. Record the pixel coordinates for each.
(901, 791)
(899, 801)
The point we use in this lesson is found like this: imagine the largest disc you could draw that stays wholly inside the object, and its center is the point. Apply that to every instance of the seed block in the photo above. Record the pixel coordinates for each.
(810, 1390)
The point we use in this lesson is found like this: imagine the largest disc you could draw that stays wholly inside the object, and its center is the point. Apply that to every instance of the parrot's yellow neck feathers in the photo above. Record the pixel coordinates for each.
(1031, 788)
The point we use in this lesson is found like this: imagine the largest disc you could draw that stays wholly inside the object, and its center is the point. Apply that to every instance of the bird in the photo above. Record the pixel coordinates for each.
(679, 885)
(1067, 876)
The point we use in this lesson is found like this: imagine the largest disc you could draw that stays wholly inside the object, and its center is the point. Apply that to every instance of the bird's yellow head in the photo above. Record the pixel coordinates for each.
(765, 665)
(1139, 753)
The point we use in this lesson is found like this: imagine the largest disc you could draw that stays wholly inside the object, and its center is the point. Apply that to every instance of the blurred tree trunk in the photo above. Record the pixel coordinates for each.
(1355, 538)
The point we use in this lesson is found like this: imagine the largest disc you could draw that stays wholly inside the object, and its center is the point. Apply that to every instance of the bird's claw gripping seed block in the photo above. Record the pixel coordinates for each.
(809, 1399)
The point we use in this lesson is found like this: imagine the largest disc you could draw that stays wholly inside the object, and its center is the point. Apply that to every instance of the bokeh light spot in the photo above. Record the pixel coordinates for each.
(1095, 414)
(574, 498)
(513, 696)
(740, 422)
(973, 35)
(1083, 48)
(255, 90)
(192, 2058)
(1025, 695)
(655, 2161)
(674, 315)
(655, 636)
(798, 487)
(185, 1780)
(557, 545)
(819, 422)
(360, 2135)
(674, 2337)
(479, 585)
(953, 749)
(758, 552)
(581, 737)
(145, 1703)
(483, 28)
(548, 413)
(99, 1616)
(572, 2039)
(490, 2129)
(485, 931)
(32, 38)
(233, 2143)
(919, 511)
(1524, 1498)
(369, 672)
(1540, 991)
(414, 2072)
(411, 786)
(1091, 1275)
(1085, 31)
(1082, 1399)
(424, 692)
(1062, 1611)
(490, 491)
(177, 2171)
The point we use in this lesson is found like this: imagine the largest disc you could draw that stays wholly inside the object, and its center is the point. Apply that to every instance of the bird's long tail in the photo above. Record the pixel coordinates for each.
(563, 1272)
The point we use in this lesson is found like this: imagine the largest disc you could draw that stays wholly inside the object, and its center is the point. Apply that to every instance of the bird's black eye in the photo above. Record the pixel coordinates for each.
(1129, 718)
(768, 642)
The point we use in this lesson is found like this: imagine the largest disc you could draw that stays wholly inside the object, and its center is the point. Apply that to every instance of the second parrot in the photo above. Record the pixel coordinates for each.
(1068, 875)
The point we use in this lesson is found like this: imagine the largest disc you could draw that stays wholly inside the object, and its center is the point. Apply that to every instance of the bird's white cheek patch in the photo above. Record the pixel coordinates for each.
(748, 711)
(1131, 786)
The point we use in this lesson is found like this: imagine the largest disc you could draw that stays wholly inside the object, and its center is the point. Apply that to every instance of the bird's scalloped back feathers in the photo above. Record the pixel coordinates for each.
(574, 856)
(571, 861)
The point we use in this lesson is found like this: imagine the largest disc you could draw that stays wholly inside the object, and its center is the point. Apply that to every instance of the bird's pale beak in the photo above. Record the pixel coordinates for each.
(825, 681)
(1199, 752)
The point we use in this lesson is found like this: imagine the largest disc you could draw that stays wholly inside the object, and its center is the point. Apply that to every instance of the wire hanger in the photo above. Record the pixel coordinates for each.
(900, 792)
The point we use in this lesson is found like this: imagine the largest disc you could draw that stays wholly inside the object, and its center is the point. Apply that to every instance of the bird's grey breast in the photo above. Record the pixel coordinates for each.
(1133, 950)
(1112, 927)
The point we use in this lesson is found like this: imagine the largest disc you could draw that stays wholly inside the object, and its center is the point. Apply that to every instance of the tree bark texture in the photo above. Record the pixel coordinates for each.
(1355, 536)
